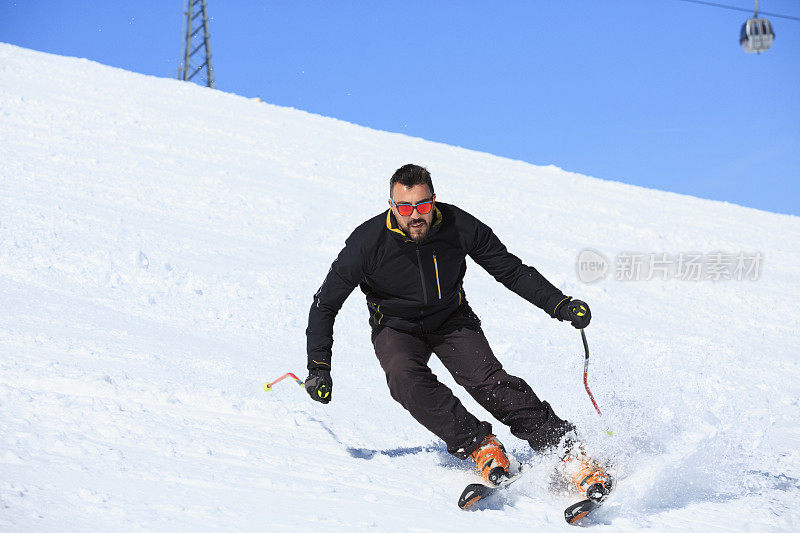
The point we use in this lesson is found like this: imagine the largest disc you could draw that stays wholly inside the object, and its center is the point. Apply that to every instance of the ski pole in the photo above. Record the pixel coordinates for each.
(586, 372)
(268, 385)
(586, 377)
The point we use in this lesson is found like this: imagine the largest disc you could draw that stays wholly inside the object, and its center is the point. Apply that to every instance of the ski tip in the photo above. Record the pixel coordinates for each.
(577, 512)
(472, 494)
(468, 503)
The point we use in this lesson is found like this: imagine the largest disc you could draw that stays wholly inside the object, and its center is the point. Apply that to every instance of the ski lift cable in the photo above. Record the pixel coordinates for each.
(714, 4)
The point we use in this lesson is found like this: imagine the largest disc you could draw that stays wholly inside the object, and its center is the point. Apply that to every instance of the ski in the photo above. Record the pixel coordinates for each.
(475, 492)
(578, 511)
(597, 494)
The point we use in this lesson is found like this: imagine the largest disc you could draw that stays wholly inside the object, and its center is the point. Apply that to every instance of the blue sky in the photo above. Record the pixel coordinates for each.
(656, 93)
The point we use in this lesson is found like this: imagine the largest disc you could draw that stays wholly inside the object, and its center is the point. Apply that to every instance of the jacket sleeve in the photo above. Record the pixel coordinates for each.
(345, 273)
(491, 254)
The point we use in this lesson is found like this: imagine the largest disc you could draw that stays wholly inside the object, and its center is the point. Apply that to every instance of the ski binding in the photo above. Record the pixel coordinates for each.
(475, 492)
(595, 496)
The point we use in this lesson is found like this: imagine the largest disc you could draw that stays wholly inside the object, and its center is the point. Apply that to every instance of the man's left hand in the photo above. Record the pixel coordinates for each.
(575, 311)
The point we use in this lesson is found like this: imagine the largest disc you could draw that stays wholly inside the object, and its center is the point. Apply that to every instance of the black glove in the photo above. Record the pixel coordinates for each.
(575, 311)
(319, 384)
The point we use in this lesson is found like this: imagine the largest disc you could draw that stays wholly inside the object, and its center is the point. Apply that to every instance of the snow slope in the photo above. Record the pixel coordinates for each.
(159, 247)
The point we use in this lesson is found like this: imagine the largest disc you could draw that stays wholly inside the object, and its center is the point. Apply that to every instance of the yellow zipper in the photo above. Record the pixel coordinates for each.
(436, 268)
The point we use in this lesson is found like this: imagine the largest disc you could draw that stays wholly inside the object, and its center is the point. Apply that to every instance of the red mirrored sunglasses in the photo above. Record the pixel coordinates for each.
(405, 209)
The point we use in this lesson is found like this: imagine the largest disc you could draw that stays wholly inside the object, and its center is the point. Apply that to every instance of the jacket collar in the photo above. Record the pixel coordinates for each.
(393, 226)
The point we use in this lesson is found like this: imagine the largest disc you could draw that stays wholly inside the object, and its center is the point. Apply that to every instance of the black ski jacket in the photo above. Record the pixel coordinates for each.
(418, 287)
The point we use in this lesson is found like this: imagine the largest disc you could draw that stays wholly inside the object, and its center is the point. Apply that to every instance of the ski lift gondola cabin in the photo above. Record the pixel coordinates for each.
(756, 35)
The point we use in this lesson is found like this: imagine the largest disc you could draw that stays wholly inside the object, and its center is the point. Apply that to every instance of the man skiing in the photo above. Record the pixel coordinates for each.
(410, 263)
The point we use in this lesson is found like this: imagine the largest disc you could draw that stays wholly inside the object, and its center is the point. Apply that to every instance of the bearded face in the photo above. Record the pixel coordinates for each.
(415, 225)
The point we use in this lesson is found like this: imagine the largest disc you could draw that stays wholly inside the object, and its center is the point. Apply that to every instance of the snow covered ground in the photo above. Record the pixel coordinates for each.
(160, 243)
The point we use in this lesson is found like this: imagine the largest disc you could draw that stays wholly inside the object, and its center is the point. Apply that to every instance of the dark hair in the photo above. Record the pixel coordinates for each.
(410, 175)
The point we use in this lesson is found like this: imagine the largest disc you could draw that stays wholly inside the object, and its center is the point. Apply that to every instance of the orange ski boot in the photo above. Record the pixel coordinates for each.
(491, 461)
(586, 474)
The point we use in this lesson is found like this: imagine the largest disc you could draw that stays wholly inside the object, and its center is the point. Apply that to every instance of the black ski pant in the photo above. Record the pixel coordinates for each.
(467, 356)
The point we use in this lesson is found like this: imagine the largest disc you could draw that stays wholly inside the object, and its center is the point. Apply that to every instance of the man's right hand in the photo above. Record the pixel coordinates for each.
(319, 385)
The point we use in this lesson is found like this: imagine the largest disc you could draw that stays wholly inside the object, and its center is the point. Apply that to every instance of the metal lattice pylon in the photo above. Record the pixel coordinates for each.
(201, 46)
